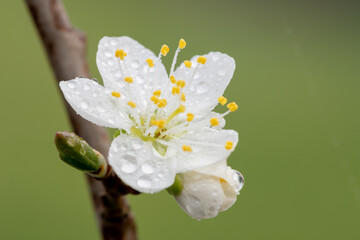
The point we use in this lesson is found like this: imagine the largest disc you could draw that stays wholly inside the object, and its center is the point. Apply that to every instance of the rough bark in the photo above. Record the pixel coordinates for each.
(66, 51)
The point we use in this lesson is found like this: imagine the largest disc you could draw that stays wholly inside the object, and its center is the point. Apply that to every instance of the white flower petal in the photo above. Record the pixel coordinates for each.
(145, 79)
(139, 165)
(206, 83)
(208, 147)
(94, 103)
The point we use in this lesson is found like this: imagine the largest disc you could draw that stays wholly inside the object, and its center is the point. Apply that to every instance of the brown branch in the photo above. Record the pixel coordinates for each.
(66, 51)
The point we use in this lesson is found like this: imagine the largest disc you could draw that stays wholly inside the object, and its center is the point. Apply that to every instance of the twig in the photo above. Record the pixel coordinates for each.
(66, 51)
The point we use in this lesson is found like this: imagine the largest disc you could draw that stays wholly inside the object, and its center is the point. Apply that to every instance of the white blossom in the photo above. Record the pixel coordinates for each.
(166, 120)
(209, 190)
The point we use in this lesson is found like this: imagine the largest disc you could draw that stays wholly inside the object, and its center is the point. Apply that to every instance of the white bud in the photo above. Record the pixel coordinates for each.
(210, 190)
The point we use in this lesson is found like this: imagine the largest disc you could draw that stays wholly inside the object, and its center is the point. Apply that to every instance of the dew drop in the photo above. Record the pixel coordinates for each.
(222, 72)
(197, 75)
(83, 105)
(135, 64)
(128, 164)
(72, 85)
(100, 109)
(86, 87)
(113, 42)
(212, 209)
(148, 168)
(194, 207)
(110, 62)
(202, 88)
(108, 53)
(241, 179)
(123, 146)
(137, 144)
(144, 182)
(215, 58)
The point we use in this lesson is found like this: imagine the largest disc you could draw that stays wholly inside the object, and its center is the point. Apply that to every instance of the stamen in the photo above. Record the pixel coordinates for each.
(229, 145)
(132, 104)
(164, 50)
(157, 93)
(182, 108)
(181, 83)
(172, 79)
(201, 60)
(162, 103)
(116, 94)
(160, 123)
(120, 53)
(232, 106)
(182, 43)
(190, 117)
(222, 180)
(187, 148)
(150, 62)
(154, 99)
(222, 100)
(128, 79)
(187, 64)
(183, 97)
(214, 122)
(175, 90)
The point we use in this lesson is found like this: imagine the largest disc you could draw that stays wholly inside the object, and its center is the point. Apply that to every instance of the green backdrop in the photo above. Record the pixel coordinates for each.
(297, 87)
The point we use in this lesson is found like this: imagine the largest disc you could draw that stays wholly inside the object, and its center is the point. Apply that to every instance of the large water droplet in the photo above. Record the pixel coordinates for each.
(144, 182)
(241, 179)
(202, 88)
(148, 168)
(128, 164)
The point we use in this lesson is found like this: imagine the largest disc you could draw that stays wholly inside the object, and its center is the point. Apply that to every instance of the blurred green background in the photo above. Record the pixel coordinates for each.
(297, 86)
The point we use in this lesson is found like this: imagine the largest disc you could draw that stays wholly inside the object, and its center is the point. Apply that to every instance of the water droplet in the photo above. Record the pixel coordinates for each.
(86, 87)
(71, 85)
(144, 182)
(148, 168)
(197, 75)
(135, 64)
(222, 72)
(215, 58)
(212, 209)
(110, 62)
(128, 164)
(160, 175)
(113, 42)
(137, 144)
(100, 109)
(83, 105)
(202, 87)
(108, 53)
(111, 120)
(241, 179)
(194, 207)
(123, 146)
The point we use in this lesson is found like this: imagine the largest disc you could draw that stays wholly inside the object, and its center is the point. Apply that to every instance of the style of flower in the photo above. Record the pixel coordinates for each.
(166, 123)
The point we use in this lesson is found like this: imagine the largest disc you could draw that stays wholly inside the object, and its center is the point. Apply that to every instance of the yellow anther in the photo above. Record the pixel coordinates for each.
(120, 53)
(181, 83)
(182, 43)
(162, 103)
(150, 62)
(183, 97)
(190, 117)
(172, 79)
(201, 60)
(222, 180)
(116, 94)
(164, 49)
(128, 79)
(157, 93)
(182, 108)
(154, 99)
(214, 122)
(229, 145)
(187, 63)
(232, 106)
(132, 104)
(160, 123)
(222, 100)
(187, 148)
(175, 90)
